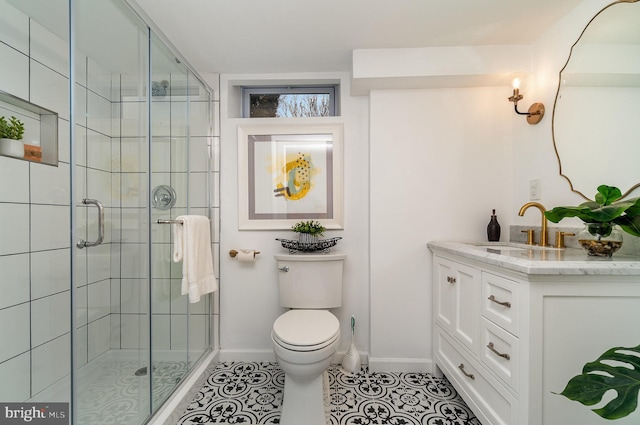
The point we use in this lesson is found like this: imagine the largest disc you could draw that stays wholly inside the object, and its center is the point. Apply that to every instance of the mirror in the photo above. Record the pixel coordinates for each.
(596, 116)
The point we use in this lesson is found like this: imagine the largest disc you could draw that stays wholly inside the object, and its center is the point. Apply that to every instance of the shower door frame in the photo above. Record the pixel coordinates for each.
(144, 352)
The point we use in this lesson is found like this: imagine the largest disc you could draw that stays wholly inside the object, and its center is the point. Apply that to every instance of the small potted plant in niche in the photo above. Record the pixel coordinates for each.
(11, 133)
(600, 237)
(308, 231)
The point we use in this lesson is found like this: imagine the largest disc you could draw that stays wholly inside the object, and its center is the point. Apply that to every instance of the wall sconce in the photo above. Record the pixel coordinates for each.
(536, 111)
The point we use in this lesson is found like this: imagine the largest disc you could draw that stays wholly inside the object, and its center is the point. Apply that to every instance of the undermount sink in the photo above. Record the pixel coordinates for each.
(508, 246)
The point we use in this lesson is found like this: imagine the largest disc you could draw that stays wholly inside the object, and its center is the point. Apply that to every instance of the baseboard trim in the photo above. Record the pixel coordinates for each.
(247, 356)
(268, 356)
(407, 365)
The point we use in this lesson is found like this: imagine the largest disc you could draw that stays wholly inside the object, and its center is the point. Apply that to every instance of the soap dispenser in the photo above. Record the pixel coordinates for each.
(493, 229)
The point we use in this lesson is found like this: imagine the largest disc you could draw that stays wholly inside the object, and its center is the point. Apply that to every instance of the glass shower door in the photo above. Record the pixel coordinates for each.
(180, 166)
(87, 269)
(111, 268)
(169, 168)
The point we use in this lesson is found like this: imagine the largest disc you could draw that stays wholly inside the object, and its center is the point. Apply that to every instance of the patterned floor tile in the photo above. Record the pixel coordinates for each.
(109, 389)
(251, 393)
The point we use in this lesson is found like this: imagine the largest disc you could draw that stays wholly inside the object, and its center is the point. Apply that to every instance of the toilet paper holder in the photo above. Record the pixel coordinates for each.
(233, 253)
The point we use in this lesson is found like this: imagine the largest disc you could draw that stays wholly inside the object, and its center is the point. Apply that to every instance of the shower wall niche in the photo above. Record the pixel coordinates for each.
(109, 318)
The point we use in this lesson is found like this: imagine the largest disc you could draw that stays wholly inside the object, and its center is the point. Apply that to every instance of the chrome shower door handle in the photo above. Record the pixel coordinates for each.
(84, 244)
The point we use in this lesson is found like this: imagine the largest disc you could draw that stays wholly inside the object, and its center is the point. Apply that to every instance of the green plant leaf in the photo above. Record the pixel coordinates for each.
(635, 208)
(617, 369)
(4, 128)
(311, 227)
(607, 194)
(630, 224)
(609, 212)
(607, 208)
(12, 129)
(558, 213)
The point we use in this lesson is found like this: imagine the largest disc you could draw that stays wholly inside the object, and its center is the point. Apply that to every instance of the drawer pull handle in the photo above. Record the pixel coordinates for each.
(504, 303)
(468, 375)
(451, 279)
(504, 355)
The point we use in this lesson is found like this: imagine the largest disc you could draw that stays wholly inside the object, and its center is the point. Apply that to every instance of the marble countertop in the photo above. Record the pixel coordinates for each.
(535, 260)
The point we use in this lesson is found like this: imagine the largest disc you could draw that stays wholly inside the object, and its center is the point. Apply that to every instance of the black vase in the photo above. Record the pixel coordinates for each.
(493, 228)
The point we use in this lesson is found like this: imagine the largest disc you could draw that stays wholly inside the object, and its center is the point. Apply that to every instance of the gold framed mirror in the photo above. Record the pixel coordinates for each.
(596, 115)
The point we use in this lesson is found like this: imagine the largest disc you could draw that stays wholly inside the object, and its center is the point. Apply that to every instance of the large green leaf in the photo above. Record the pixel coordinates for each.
(635, 208)
(608, 373)
(630, 225)
(592, 212)
(558, 213)
(607, 194)
(609, 212)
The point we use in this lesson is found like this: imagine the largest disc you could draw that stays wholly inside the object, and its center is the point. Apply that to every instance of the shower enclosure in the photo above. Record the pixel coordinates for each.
(92, 312)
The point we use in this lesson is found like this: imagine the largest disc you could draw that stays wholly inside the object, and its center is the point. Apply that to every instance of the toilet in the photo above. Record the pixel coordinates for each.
(306, 337)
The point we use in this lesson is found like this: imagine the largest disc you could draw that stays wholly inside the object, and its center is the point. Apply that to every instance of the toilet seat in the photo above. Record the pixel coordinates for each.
(306, 330)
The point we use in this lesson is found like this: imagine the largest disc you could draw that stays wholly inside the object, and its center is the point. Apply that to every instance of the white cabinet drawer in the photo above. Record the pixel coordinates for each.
(496, 405)
(500, 352)
(500, 301)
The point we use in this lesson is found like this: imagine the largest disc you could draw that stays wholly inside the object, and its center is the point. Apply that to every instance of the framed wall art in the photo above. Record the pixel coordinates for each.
(288, 173)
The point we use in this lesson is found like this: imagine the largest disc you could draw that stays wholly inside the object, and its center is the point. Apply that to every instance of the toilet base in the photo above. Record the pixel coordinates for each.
(304, 401)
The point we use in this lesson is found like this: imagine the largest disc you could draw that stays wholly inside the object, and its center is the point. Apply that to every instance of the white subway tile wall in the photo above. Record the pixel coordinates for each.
(14, 70)
(34, 215)
(17, 333)
(14, 371)
(111, 280)
(50, 317)
(50, 362)
(49, 89)
(49, 272)
(15, 282)
(49, 50)
(98, 337)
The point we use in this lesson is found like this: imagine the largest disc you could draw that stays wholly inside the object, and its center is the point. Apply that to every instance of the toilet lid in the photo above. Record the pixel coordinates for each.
(306, 327)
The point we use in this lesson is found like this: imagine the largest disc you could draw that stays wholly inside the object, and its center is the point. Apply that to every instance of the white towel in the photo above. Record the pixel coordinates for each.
(192, 246)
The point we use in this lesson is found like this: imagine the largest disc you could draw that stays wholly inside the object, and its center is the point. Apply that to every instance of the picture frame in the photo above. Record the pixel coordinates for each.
(288, 173)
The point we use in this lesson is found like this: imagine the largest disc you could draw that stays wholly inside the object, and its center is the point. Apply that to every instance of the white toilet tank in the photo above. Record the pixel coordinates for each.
(309, 281)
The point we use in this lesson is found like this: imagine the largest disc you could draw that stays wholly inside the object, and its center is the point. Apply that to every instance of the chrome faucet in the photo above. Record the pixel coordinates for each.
(543, 232)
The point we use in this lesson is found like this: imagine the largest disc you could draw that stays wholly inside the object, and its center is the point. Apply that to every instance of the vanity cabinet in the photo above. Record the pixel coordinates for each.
(460, 330)
(509, 340)
(457, 291)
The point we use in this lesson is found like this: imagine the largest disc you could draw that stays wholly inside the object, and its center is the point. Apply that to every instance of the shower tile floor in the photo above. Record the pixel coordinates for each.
(110, 392)
(251, 394)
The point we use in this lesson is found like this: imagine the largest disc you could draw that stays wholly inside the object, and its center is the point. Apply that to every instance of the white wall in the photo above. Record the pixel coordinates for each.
(248, 291)
(466, 152)
(440, 162)
(427, 164)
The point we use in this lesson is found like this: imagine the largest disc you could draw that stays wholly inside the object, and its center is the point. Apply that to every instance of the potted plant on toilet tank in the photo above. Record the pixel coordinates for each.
(11, 133)
(308, 231)
(309, 238)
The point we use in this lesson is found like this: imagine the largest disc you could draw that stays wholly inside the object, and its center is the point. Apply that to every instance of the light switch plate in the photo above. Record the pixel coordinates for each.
(534, 190)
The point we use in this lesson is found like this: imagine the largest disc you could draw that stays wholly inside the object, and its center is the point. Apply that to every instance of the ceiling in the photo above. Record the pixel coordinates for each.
(287, 36)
